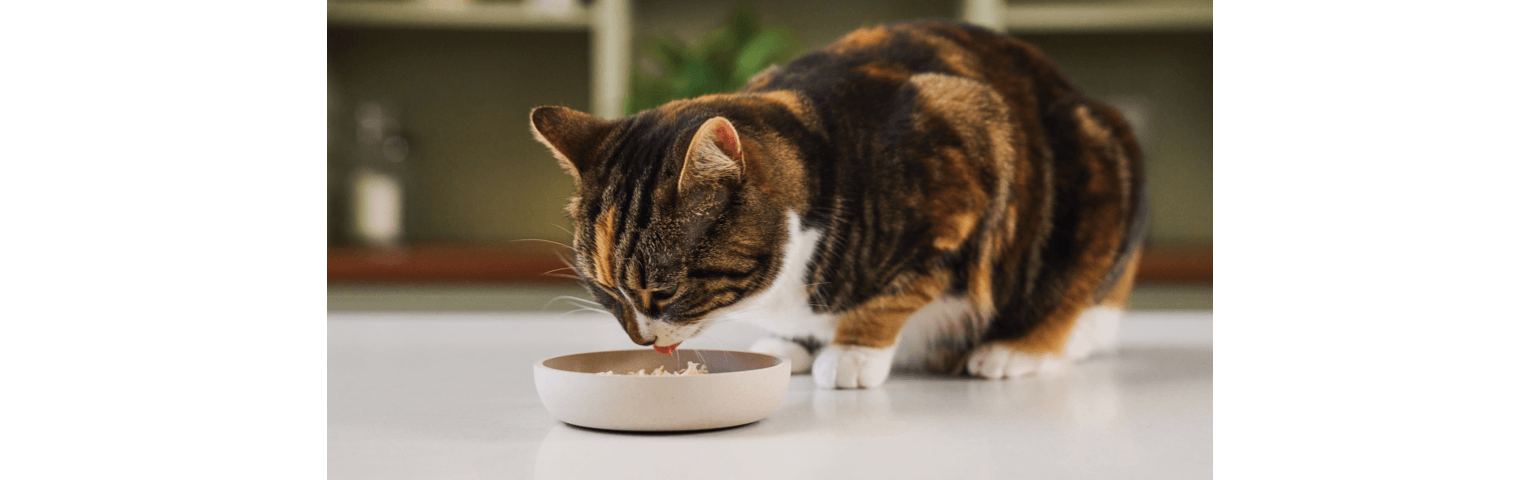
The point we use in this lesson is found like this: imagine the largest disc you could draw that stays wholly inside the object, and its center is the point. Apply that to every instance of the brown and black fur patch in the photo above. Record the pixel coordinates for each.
(937, 158)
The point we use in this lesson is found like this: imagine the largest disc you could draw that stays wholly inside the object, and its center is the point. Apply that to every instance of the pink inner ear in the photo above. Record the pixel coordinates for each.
(726, 139)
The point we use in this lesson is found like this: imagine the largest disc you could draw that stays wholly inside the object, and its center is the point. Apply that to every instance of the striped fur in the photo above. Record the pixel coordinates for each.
(934, 161)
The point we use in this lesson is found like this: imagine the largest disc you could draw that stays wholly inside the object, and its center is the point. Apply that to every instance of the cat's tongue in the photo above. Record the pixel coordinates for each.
(669, 350)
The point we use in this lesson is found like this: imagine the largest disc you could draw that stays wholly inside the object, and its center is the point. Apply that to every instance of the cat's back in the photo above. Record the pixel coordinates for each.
(963, 143)
(871, 67)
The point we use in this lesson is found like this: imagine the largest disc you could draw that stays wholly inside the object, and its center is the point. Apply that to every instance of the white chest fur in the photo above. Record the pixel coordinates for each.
(783, 308)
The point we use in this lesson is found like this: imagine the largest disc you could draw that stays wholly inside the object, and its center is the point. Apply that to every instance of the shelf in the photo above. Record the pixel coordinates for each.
(534, 263)
(504, 262)
(472, 16)
(1082, 18)
(1193, 265)
(607, 21)
(1100, 17)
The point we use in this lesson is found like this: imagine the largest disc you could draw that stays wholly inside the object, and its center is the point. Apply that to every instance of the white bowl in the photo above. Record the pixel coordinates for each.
(742, 388)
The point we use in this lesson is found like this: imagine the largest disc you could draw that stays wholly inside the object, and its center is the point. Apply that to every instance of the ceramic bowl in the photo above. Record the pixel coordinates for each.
(742, 388)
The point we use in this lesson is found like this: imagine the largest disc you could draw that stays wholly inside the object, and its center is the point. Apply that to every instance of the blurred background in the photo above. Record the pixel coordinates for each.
(439, 198)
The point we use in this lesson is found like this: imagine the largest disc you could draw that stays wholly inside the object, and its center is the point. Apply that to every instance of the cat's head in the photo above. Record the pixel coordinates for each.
(673, 221)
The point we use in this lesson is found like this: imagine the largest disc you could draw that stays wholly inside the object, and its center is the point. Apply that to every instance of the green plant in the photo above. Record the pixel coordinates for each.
(721, 61)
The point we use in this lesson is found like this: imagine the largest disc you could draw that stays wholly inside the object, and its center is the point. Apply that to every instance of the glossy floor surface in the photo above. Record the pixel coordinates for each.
(451, 395)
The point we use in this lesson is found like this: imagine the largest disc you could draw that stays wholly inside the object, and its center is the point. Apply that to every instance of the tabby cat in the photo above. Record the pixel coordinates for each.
(930, 180)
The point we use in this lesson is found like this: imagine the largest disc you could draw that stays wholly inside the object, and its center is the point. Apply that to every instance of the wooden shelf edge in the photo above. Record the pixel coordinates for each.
(447, 262)
(1191, 265)
(474, 16)
(522, 264)
(1074, 18)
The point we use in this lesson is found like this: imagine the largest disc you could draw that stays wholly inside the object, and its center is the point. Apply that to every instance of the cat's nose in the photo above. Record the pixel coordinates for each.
(638, 337)
(637, 329)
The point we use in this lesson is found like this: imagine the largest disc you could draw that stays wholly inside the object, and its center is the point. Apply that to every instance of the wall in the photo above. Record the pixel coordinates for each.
(1168, 80)
(475, 171)
(477, 174)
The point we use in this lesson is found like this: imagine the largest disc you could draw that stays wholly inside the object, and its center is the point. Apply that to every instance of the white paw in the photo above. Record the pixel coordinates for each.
(840, 366)
(995, 361)
(793, 352)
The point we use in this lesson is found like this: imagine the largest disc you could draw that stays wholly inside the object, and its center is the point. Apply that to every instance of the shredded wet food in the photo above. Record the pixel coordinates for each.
(691, 368)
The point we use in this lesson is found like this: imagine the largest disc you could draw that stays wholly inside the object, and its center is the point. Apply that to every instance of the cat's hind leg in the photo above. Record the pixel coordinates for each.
(796, 353)
(1056, 344)
(1095, 329)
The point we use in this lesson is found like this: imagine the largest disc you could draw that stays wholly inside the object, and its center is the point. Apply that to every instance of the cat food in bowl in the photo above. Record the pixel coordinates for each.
(725, 389)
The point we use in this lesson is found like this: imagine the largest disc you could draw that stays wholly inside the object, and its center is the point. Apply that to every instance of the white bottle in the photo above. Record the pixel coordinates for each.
(377, 186)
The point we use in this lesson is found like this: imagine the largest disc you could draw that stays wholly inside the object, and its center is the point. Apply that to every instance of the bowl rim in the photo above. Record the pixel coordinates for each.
(778, 362)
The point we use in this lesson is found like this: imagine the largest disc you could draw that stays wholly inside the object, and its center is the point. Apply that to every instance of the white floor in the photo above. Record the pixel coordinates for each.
(450, 395)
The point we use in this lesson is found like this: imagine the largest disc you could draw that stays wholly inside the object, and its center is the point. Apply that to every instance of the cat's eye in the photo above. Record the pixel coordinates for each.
(666, 292)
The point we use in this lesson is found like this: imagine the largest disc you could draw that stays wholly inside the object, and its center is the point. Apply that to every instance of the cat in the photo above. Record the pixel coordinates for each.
(931, 186)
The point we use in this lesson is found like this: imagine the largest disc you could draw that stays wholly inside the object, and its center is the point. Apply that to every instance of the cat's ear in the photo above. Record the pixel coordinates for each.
(715, 156)
(571, 135)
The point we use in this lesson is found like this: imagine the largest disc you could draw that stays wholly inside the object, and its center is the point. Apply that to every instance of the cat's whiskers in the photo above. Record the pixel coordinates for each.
(560, 269)
(569, 298)
(582, 308)
(563, 245)
(564, 229)
(720, 344)
(565, 259)
(581, 300)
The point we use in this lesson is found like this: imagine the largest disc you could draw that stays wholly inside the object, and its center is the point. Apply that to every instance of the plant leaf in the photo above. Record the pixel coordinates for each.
(670, 52)
(764, 50)
(722, 60)
(647, 93)
(743, 26)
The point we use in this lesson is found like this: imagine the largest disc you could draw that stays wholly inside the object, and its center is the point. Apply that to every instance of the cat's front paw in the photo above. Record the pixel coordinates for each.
(999, 360)
(795, 354)
(841, 366)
